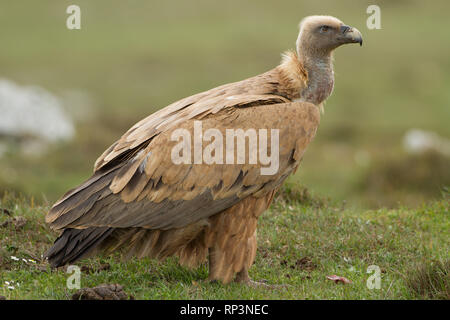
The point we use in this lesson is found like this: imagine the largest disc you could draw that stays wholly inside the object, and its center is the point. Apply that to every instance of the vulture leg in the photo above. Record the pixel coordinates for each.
(231, 239)
(225, 264)
(242, 276)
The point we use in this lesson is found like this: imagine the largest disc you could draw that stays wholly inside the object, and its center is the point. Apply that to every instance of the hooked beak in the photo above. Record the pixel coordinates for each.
(350, 35)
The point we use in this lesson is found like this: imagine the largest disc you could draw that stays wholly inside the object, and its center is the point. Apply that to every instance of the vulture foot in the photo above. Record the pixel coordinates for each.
(262, 284)
(242, 277)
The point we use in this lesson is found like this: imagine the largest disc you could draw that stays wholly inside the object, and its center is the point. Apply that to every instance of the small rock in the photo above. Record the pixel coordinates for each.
(101, 292)
(2, 298)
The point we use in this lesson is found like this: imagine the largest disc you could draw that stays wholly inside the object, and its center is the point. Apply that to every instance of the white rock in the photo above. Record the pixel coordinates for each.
(419, 141)
(32, 111)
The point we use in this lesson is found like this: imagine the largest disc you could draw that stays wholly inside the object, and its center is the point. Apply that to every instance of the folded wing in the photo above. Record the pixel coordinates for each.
(136, 183)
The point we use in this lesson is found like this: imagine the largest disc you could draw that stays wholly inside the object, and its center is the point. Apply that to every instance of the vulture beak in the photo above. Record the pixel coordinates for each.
(350, 35)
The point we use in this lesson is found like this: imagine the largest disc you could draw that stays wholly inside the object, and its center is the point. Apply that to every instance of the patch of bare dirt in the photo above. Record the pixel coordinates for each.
(304, 264)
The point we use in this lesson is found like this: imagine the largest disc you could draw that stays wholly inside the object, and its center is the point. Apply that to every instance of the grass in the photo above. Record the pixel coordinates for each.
(300, 243)
(432, 280)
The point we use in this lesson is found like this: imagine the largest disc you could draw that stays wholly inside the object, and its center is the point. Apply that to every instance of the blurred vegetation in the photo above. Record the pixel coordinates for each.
(132, 58)
(406, 179)
(431, 280)
(292, 193)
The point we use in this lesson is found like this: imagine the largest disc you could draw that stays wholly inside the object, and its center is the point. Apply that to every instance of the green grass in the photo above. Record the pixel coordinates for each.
(299, 245)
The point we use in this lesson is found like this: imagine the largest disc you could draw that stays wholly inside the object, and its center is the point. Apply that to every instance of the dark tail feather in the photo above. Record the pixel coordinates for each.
(74, 244)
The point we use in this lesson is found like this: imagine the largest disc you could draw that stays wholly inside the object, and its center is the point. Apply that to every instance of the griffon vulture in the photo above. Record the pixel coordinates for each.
(140, 201)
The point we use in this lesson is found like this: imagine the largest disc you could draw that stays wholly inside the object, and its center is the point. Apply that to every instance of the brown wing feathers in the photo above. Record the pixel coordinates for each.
(74, 244)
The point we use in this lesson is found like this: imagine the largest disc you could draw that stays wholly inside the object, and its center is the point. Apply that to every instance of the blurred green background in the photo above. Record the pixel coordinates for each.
(131, 58)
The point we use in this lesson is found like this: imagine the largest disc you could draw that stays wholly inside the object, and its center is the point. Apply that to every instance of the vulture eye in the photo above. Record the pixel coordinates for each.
(324, 29)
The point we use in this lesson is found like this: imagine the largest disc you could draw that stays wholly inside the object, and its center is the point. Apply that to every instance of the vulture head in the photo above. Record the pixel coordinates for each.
(324, 34)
